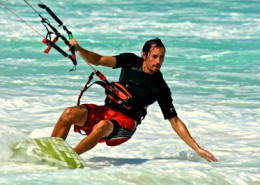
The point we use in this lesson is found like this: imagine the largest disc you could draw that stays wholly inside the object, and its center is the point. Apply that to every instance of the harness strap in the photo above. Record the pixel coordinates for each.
(85, 87)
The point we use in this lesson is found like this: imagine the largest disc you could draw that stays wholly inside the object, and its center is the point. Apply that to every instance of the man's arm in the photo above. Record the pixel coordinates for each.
(93, 58)
(180, 128)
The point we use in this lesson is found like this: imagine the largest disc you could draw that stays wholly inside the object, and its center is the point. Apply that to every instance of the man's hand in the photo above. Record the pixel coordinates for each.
(206, 155)
(184, 134)
(73, 42)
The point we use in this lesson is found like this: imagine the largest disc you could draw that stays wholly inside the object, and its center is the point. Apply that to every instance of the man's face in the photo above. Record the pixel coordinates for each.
(153, 61)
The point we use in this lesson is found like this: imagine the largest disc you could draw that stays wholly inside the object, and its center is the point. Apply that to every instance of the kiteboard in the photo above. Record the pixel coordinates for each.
(49, 150)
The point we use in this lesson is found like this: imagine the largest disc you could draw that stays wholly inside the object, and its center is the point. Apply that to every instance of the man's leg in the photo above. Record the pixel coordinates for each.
(103, 129)
(71, 115)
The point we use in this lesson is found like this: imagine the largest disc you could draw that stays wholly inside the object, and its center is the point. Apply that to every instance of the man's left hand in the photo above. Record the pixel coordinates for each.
(206, 155)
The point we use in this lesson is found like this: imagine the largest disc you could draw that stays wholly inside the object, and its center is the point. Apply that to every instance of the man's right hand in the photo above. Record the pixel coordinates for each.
(73, 42)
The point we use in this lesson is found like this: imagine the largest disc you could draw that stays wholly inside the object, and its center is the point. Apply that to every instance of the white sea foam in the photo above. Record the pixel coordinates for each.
(9, 136)
(37, 133)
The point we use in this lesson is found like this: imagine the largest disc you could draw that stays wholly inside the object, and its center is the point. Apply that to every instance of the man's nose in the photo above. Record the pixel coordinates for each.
(159, 60)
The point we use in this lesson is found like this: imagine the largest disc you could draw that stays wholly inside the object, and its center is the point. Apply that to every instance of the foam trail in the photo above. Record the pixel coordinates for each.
(8, 137)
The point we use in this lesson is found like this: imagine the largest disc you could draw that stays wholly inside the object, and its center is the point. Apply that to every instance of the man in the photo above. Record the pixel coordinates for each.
(114, 123)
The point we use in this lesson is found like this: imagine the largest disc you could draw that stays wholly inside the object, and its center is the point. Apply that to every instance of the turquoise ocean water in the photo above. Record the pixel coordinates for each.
(212, 66)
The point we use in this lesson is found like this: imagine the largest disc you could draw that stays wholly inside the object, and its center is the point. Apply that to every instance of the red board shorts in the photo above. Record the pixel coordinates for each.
(124, 126)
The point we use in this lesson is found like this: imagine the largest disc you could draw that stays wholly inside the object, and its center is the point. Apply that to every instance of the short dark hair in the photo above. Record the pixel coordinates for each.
(153, 42)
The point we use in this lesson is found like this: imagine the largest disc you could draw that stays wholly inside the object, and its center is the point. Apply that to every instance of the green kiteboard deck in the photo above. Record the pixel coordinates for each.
(50, 150)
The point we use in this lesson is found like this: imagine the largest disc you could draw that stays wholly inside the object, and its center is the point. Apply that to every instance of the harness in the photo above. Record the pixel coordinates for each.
(113, 90)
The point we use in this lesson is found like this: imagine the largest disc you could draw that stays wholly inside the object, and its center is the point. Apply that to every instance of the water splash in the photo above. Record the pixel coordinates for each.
(9, 136)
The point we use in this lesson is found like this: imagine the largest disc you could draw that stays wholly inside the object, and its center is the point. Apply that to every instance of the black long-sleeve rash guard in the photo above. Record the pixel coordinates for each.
(144, 88)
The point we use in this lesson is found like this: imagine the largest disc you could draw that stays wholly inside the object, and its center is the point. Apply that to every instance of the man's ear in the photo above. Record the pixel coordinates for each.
(143, 55)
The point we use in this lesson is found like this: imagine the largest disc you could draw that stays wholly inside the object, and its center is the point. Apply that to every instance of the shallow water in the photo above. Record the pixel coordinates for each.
(211, 65)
